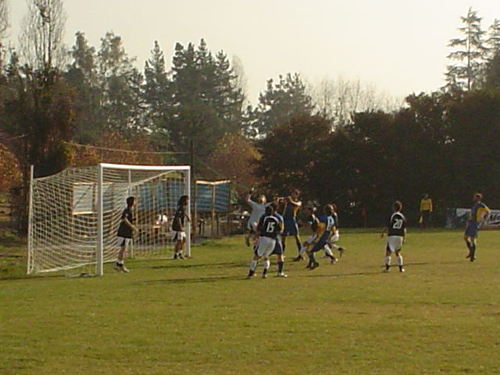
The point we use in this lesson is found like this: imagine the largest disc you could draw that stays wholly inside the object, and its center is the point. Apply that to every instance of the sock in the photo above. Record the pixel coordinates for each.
(280, 266)
(328, 251)
(267, 264)
(312, 260)
(253, 265)
(302, 250)
(119, 262)
(400, 261)
(299, 245)
(473, 251)
(469, 245)
(336, 247)
(387, 262)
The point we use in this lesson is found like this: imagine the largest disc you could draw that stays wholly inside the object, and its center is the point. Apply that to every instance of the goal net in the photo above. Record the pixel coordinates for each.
(75, 214)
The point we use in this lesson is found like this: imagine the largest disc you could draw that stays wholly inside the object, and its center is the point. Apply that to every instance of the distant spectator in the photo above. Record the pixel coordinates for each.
(425, 211)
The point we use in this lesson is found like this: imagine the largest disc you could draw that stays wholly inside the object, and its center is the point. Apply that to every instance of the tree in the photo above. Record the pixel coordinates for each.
(281, 102)
(234, 158)
(205, 103)
(82, 76)
(492, 69)
(339, 99)
(120, 83)
(157, 94)
(470, 54)
(41, 40)
(290, 151)
(4, 25)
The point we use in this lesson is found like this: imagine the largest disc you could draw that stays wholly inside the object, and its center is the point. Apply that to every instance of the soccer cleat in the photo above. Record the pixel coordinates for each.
(314, 265)
(333, 260)
(298, 258)
(118, 267)
(264, 275)
(181, 256)
(125, 269)
(401, 269)
(468, 256)
(472, 259)
(282, 274)
(250, 274)
(175, 256)
(341, 251)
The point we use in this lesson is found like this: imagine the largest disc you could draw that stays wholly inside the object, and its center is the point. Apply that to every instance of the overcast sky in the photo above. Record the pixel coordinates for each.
(397, 45)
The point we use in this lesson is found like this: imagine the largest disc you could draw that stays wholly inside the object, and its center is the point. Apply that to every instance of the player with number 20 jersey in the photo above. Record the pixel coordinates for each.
(396, 231)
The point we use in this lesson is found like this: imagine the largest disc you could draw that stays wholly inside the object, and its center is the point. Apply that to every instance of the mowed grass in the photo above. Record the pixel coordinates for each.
(200, 316)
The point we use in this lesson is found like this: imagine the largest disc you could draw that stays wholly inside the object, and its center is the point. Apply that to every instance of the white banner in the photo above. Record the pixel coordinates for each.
(457, 217)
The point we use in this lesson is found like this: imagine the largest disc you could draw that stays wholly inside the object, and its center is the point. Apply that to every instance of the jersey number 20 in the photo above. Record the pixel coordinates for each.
(398, 224)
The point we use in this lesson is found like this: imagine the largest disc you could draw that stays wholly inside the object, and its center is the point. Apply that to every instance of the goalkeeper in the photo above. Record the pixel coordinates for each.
(125, 233)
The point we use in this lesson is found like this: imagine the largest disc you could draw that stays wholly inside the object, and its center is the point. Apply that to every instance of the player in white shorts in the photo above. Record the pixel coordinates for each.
(269, 227)
(396, 231)
(258, 209)
(178, 226)
(125, 234)
(336, 235)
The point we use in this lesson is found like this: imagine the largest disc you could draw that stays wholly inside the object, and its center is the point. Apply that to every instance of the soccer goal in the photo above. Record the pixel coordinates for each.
(74, 215)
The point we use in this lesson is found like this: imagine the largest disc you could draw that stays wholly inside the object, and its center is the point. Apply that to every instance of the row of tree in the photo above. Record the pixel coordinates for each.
(341, 140)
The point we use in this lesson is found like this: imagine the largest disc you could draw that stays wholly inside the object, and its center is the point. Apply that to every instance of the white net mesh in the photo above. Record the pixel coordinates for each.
(65, 214)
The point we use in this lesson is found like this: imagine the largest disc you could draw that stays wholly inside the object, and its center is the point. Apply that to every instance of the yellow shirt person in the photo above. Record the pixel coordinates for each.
(425, 211)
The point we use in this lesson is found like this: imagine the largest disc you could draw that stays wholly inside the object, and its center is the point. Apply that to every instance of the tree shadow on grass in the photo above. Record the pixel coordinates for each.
(193, 280)
(194, 266)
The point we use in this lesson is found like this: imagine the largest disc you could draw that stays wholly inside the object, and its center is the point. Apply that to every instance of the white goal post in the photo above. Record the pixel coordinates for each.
(74, 215)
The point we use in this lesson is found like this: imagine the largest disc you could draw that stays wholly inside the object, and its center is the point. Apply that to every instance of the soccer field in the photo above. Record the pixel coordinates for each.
(200, 316)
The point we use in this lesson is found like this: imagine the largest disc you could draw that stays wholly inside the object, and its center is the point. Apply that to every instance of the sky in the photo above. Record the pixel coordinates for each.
(399, 46)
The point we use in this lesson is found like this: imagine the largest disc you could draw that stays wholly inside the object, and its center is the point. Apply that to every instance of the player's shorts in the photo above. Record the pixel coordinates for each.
(265, 246)
(471, 229)
(394, 243)
(291, 227)
(252, 226)
(178, 236)
(310, 239)
(124, 241)
(335, 237)
(278, 248)
(321, 242)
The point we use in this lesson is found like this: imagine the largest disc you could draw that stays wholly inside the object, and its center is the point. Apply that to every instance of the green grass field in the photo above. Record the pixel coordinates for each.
(200, 316)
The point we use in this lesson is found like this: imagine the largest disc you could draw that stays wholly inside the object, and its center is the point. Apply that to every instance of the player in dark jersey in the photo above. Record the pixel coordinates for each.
(326, 227)
(278, 248)
(291, 208)
(268, 228)
(396, 231)
(125, 233)
(179, 235)
(313, 222)
(478, 214)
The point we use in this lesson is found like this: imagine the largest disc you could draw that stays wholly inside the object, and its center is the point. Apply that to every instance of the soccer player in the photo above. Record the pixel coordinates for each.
(396, 231)
(325, 229)
(258, 209)
(478, 214)
(269, 227)
(313, 221)
(125, 233)
(278, 248)
(178, 227)
(425, 211)
(290, 210)
(335, 235)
